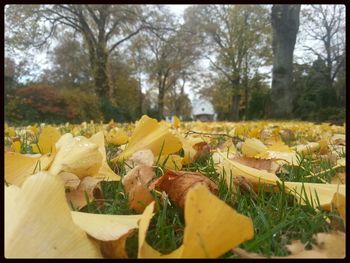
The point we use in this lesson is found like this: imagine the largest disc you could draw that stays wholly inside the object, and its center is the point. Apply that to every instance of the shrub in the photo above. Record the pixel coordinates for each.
(81, 105)
(42, 103)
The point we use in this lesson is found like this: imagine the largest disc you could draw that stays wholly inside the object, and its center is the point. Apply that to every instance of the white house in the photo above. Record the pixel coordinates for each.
(203, 110)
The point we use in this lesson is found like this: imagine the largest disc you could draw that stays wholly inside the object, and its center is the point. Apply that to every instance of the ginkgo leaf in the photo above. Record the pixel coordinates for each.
(307, 148)
(212, 228)
(136, 184)
(188, 148)
(322, 193)
(19, 167)
(105, 172)
(89, 188)
(252, 147)
(279, 147)
(341, 162)
(16, 146)
(145, 157)
(38, 222)
(76, 155)
(47, 140)
(149, 134)
(105, 227)
(338, 203)
(260, 164)
(281, 157)
(178, 183)
(172, 161)
(117, 136)
(255, 176)
(176, 122)
(328, 245)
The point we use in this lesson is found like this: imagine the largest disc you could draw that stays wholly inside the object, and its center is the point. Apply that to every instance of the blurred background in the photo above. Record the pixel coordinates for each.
(78, 63)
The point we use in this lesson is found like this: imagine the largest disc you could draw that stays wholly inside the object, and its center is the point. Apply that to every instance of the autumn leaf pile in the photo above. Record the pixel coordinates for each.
(53, 172)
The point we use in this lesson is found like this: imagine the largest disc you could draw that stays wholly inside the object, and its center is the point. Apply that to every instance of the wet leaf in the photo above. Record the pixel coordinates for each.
(76, 155)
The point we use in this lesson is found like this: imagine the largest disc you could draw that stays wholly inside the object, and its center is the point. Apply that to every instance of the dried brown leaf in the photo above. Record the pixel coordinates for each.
(177, 184)
(136, 184)
(260, 164)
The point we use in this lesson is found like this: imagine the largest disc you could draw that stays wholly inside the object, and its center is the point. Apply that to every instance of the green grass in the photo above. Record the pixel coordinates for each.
(277, 217)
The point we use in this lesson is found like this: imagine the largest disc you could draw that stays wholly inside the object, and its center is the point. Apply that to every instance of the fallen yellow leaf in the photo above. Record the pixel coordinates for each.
(149, 134)
(253, 175)
(212, 228)
(47, 139)
(105, 172)
(38, 222)
(76, 155)
(252, 147)
(325, 192)
(19, 167)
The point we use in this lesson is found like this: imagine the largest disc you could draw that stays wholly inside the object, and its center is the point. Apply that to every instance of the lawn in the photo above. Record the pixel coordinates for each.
(184, 189)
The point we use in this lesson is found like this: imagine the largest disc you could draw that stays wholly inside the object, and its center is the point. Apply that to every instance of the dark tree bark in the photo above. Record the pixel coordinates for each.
(236, 99)
(285, 26)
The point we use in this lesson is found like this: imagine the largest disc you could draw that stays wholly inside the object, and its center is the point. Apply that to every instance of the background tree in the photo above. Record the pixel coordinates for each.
(285, 25)
(237, 36)
(103, 27)
(70, 64)
(170, 54)
(324, 27)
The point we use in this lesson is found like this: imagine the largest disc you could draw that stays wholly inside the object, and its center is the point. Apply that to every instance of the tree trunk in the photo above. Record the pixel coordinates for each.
(160, 103)
(100, 75)
(235, 99)
(235, 107)
(285, 26)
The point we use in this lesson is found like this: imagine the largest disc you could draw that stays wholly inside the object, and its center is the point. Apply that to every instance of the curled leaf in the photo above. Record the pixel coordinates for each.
(145, 157)
(105, 172)
(235, 169)
(90, 188)
(76, 155)
(136, 185)
(260, 164)
(252, 147)
(111, 231)
(178, 183)
(307, 148)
